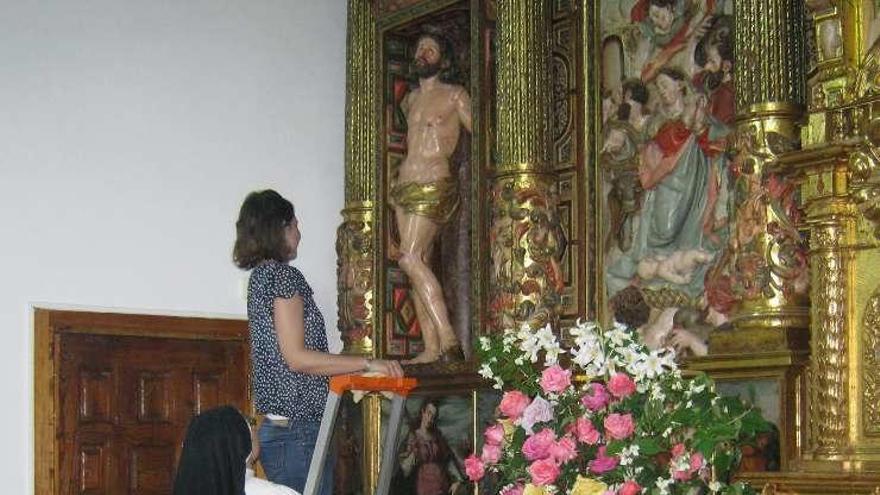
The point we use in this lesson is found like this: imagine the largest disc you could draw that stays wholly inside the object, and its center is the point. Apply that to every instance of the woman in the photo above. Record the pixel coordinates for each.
(289, 355)
(427, 458)
(216, 457)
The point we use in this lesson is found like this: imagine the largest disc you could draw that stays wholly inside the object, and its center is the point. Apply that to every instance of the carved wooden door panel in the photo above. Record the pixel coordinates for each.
(125, 403)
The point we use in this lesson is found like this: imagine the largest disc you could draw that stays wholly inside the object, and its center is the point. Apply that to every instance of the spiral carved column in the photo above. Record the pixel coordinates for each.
(356, 237)
(524, 279)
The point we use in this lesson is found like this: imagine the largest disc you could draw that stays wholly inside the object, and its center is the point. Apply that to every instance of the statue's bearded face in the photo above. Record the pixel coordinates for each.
(428, 59)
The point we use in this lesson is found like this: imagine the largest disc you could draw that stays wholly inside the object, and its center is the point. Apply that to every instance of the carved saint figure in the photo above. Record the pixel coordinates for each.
(425, 194)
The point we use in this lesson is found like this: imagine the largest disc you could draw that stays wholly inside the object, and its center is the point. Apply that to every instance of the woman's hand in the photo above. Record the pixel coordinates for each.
(388, 368)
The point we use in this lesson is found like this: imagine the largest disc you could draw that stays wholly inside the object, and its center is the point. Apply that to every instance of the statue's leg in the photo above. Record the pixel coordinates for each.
(430, 337)
(417, 235)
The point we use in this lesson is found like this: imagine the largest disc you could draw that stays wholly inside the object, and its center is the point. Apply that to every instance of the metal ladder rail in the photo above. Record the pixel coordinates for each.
(399, 387)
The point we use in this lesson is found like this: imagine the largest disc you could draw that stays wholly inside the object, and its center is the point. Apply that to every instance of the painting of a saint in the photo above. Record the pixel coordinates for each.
(431, 453)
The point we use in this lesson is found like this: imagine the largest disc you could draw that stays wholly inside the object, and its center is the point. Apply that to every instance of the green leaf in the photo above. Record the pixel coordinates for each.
(648, 446)
(614, 447)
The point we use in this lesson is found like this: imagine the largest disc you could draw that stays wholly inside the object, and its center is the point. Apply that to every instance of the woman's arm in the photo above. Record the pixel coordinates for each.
(290, 328)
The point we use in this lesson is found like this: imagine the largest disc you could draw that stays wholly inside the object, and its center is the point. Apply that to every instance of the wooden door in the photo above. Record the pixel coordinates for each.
(123, 403)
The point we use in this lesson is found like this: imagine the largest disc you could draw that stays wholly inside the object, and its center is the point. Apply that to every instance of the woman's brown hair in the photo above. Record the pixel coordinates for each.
(260, 229)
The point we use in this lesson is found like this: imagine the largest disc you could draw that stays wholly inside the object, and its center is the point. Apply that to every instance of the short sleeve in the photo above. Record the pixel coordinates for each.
(287, 282)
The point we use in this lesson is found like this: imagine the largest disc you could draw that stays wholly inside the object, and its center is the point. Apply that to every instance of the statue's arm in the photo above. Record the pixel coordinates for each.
(405, 104)
(463, 107)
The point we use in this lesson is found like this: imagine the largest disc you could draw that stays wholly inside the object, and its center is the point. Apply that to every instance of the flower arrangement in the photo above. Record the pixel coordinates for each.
(611, 417)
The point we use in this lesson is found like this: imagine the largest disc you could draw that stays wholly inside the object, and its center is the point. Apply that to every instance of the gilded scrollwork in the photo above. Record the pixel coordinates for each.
(525, 280)
(354, 251)
(769, 255)
(871, 366)
(864, 168)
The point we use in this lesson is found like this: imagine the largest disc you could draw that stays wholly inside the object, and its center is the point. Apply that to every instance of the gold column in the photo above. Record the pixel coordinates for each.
(828, 431)
(768, 256)
(840, 184)
(525, 281)
(839, 176)
(355, 238)
(371, 405)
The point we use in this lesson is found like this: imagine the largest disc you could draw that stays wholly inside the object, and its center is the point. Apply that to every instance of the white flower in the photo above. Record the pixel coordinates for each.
(680, 463)
(628, 455)
(519, 361)
(530, 347)
(715, 486)
(653, 365)
(486, 372)
(485, 344)
(585, 355)
(663, 485)
(657, 393)
(545, 336)
(551, 354)
(619, 336)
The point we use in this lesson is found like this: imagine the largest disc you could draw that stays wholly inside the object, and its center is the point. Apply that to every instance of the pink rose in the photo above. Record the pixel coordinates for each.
(494, 435)
(474, 468)
(555, 379)
(538, 446)
(585, 432)
(513, 403)
(677, 450)
(564, 450)
(697, 461)
(602, 463)
(629, 487)
(538, 411)
(682, 475)
(491, 454)
(512, 490)
(544, 472)
(621, 385)
(596, 398)
(619, 426)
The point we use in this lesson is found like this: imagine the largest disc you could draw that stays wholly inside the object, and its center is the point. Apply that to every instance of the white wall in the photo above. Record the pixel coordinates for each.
(130, 131)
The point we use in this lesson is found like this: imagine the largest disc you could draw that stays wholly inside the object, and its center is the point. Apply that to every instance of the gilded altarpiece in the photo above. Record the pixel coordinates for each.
(623, 164)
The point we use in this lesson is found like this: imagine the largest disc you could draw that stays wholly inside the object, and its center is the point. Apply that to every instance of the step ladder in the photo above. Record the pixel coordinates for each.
(399, 387)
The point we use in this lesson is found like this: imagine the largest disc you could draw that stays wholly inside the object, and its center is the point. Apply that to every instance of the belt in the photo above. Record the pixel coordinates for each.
(283, 423)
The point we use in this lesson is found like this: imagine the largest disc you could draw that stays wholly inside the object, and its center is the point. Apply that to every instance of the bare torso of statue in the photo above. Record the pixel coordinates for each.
(433, 128)
(425, 194)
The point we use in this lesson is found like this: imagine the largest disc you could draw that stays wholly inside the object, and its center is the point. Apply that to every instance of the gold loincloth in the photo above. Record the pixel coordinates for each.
(436, 200)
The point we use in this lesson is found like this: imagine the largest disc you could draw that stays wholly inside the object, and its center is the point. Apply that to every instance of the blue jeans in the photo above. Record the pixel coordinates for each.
(286, 453)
